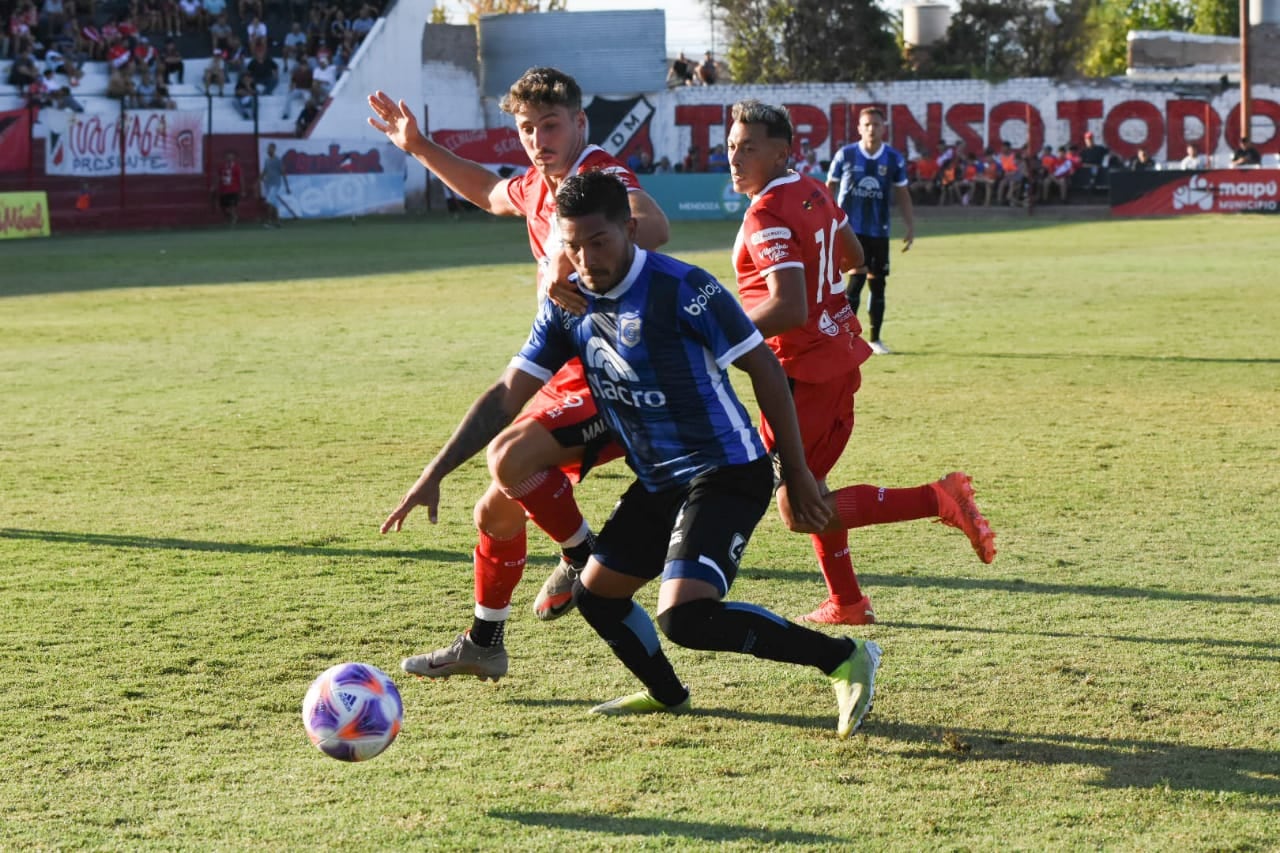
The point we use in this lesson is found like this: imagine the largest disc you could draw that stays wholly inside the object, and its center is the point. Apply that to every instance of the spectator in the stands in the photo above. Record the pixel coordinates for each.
(1194, 159)
(346, 52)
(235, 57)
(718, 160)
(300, 82)
(22, 28)
(295, 46)
(263, 70)
(681, 71)
(214, 8)
(60, 63)
(192, 15)
(148, 16)
(308, 115)
(171, 63)
(40, 92)
(324, 76)
(145, 54)
(120, 85)
(246, 97)
(215, 74)
(256, 32)
(249, 8)
(171, 18)
(64, 100)
(364, 22)
(220, 33)
(52, 16)
(316, 30)
(339, 26)
(708, 73)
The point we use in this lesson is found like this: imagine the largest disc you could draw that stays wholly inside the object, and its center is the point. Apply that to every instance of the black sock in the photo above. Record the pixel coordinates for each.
(734, 626)
(486, 633)
(629, 631)
(580, 553)
(853, 291)
(875, 307)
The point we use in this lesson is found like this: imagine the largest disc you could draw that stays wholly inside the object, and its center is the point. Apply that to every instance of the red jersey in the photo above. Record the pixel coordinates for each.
(229, 178)
(793, 223)
(535, 200)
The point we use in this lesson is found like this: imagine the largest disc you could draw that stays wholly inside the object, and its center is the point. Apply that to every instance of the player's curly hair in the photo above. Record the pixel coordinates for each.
(593, 192)
(776, 120)
(543, 87)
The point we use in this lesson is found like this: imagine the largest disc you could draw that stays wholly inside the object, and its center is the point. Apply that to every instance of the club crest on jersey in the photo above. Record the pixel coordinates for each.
(883, 170)
(766, 234)
(629, 328)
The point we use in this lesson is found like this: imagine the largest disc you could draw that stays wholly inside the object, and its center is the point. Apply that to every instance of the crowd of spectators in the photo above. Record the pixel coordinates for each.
(690, 72)
(254, 49)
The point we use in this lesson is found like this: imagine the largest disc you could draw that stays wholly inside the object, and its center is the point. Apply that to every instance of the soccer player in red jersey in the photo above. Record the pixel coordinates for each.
(793, 246)
(228, 189)
(560, 435)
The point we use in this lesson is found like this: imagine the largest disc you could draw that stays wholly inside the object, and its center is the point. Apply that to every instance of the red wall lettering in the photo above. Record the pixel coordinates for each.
(1077, 114)
(961, 118)
(808, 124)
(1142, 111)
(904, 127)
(700, 119)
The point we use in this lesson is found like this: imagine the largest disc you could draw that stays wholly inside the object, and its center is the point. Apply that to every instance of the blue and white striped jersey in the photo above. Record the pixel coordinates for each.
(865, 183)
(656, 349)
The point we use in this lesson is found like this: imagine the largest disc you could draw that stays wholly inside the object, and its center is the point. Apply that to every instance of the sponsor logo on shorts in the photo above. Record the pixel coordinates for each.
(767, 234)
(828, 326)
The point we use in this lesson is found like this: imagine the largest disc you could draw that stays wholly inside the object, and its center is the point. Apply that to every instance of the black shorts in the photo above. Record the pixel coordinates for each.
(229, 200)
(697, 531)
(876, 252)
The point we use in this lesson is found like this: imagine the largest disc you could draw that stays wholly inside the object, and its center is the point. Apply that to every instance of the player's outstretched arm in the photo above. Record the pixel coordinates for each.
(809, 510)
(489, 415)
(465, 177)
(787, 305)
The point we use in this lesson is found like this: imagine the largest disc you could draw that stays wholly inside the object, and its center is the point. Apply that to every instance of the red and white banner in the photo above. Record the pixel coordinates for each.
(498, 146)
(15, 140)
(1215, 191)
(159, 142)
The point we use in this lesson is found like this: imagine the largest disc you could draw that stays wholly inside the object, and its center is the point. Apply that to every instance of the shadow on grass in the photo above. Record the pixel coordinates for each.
(1126, 763)
(1018, 585)
(646, 827)
(1261, 645)
(111, 540)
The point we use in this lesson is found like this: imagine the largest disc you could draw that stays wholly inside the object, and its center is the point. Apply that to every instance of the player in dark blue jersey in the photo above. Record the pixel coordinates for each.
(656, 340)
(862, 177)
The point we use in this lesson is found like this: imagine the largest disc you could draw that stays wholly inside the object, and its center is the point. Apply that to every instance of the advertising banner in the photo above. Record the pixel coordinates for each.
(1185, 192)
(23, 215)
(155, 142)
(329, 179)
(15, 140)
(695, 196)
(496, 147)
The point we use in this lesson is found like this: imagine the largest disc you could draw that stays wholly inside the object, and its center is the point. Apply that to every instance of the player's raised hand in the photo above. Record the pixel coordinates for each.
(393, 118)
(425, 492)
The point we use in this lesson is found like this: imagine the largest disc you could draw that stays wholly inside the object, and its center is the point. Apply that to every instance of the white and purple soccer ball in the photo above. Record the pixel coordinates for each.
(352, 711)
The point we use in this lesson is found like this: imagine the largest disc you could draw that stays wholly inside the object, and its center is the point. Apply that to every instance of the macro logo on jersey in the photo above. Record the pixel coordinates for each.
(868, 187)
(764, 235)
(629, 328)
(610, 378)
(699, 303)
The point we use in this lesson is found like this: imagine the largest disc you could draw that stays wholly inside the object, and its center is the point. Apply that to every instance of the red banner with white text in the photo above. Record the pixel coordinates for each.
(15, 140)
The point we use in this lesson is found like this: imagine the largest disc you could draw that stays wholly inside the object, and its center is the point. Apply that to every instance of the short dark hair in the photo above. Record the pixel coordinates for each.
(593, 192)
(776, 120)
(543, 87)
(872, 111)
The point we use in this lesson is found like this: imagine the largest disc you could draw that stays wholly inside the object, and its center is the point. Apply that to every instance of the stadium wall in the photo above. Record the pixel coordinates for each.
(931, 113)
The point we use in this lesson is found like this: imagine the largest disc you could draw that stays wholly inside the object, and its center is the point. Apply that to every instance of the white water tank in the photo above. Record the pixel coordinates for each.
(926, 23)
(1264, 12)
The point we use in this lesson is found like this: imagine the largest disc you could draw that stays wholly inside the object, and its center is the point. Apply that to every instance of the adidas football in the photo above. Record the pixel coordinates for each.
(352, 712)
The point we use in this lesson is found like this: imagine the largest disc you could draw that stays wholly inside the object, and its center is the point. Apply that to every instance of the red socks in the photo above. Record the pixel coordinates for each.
(499, 566)
(547, 498)
(837, 566)
(860, 506)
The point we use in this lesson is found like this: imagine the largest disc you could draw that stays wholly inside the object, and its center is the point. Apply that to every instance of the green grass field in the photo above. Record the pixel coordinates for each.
(200, 433)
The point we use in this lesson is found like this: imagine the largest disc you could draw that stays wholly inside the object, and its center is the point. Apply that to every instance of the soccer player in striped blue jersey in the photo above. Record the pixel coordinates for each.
(862, 177)
(656, 341)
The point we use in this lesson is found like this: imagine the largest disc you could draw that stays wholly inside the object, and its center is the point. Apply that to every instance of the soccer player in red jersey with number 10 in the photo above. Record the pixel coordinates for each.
(789, 255)
(560, 434)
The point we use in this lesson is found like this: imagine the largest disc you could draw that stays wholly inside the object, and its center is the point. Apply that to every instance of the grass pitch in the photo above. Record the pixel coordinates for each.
(201, 432)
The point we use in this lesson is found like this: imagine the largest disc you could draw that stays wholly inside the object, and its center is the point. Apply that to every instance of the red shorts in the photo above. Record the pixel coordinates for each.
(565, 407)
(825, 411)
